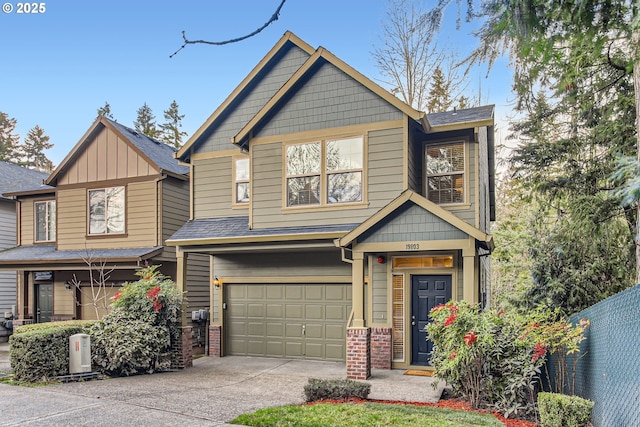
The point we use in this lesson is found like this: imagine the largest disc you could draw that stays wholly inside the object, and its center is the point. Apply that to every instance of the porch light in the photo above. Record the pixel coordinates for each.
(217, 282)
(380, 259)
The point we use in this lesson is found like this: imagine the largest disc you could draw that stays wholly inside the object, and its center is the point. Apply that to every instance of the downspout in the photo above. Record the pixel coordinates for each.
(349, 261)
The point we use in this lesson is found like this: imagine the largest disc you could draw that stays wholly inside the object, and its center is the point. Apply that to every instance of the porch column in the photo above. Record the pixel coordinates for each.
(181, 280)
(182, 349)
(358, 336)
(357, 289)
(470, 286)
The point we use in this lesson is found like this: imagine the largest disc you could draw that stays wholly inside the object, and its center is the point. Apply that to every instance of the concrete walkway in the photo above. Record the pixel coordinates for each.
(213, 392)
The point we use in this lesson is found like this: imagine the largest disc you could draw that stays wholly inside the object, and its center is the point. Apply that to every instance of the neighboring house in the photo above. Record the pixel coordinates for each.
(12, 178)
(335, 215)
(107, 208)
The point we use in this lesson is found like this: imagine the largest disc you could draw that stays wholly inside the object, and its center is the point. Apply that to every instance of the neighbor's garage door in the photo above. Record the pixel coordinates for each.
(289, 320)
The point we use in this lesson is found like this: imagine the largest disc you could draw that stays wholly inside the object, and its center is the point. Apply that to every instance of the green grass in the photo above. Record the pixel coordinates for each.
(363, 415)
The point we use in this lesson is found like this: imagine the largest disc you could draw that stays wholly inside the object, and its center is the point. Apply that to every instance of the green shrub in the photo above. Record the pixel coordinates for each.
(41, 352)
(136, 335)
(560, 410)
(318, 389)
(123, 346)
(48, 325)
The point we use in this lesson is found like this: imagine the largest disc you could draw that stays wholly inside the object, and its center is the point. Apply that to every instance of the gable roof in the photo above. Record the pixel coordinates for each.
(14, 178)
(428, 205)
(287, 38)
(158, 154)
(319, 55)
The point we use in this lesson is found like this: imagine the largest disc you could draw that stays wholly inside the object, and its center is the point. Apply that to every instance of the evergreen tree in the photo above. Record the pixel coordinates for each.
(8, 141)
(105, 111)
(439, 96)
(32, 150)
(146, 121)
(170, 129)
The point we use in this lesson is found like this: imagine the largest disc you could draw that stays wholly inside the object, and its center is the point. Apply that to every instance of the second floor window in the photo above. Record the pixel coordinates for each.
(242, 180)
(445, 173)
(325, 172)
(45, 221)
(106, 211)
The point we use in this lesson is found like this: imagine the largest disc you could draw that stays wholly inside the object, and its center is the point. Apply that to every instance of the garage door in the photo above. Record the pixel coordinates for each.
(287, 320)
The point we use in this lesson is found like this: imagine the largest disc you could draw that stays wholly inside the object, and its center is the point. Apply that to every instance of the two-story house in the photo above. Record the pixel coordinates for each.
(104, 212)
(12, 178)
(334, 214)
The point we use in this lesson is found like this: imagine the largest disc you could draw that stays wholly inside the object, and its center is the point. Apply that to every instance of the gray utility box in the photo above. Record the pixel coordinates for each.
(79, 354)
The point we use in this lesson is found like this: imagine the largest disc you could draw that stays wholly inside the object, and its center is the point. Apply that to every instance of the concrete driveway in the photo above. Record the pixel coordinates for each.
(213, 392)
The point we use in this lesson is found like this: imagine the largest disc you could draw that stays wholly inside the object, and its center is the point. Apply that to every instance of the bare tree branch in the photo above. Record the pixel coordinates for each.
(273, 18)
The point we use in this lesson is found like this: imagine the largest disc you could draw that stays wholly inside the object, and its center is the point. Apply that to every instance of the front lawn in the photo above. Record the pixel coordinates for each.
(363, 415)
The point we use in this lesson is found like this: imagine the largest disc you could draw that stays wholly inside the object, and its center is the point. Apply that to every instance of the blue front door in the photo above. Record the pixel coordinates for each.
(426, 293)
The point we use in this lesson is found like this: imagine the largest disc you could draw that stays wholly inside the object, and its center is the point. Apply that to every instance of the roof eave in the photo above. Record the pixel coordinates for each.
(321, 53)
(35, 192)
(256, 239)
(288, 36)
(461, 125)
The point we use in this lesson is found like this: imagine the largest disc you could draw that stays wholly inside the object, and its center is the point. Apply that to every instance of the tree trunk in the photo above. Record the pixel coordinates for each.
(635, 46)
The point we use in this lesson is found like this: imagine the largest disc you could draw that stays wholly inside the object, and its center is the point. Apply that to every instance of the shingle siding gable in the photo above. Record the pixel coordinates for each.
(413, 224)
(326, 98)
(253, 98)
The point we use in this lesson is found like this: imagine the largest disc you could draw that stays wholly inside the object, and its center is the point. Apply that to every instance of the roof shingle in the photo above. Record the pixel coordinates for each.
(220, 228)
(15, 178)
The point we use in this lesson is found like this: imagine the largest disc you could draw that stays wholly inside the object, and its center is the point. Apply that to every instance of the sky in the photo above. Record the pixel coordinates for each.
(59, 66)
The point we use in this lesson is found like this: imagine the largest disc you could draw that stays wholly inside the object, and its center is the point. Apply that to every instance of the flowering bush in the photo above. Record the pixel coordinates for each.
(478, 353)
(136, 335)
(493, 358)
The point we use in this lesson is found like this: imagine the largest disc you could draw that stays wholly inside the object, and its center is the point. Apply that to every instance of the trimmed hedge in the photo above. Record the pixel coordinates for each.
(561, 410)
(47, 325)
(40, 352)
(317, 389)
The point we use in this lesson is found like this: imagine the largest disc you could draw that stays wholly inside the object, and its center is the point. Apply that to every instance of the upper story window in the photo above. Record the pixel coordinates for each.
(325, 172)
(106, 211)
(45, 221)
(241, 174)
(445, 166)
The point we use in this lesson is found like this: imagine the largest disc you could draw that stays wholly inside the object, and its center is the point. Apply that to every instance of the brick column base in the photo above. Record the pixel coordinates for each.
(381, 348)
(215, 341)
(182, 349)
(358, 353)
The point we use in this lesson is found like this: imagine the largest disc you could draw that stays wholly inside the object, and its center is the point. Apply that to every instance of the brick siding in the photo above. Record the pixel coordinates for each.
(381, 348)
(215, 341)
(358, 353)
